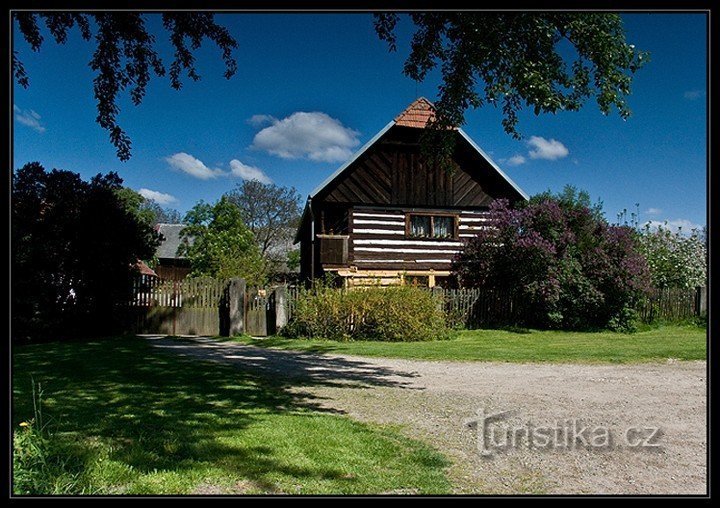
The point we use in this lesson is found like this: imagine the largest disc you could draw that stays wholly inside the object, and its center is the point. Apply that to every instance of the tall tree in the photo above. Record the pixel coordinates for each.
(516, 60)
(136, 204)
(223, 245)
(125, 55)
(571, 198)
(272, 213)
(160, 214)
(148, 210)
(74, 247)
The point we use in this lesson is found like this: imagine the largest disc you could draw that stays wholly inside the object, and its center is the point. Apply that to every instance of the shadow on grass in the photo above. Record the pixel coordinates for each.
(274, 341)
(312, 366)
(159, 412)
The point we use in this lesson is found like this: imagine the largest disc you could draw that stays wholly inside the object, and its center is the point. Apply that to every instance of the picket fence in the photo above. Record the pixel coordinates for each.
(480, 308)
(200, 306)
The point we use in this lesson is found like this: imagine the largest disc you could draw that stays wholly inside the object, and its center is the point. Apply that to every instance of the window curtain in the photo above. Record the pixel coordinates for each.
(419, 225)
(443, 227)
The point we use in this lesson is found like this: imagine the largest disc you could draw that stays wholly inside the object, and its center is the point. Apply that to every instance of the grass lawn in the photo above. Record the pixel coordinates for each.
(127, 418)
(659, 343)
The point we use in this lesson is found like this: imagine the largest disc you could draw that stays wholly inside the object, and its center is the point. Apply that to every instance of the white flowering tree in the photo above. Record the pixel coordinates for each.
(675, 259)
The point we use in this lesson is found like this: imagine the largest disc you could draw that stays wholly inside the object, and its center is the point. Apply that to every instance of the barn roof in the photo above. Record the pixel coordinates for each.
(144, 269)
(169, 246)
(416, 115)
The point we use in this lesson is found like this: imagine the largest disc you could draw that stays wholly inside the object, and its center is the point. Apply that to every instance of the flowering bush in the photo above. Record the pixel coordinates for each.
(675, 260)
(572, 269)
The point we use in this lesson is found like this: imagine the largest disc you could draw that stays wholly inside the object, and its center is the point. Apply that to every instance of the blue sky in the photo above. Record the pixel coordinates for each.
(312, 88)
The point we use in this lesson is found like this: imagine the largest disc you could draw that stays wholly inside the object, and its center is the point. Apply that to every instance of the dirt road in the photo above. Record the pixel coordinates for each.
(645, 424)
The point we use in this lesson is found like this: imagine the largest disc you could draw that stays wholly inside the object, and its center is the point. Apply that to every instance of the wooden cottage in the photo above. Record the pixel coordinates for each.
(386, 215)
(171, 265)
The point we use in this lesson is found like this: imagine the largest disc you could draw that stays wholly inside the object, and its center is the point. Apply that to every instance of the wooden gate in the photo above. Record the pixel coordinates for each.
(197, 306)
(259, 312)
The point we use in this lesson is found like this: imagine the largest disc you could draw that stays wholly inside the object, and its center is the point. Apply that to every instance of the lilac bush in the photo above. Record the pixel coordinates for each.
(571, 268)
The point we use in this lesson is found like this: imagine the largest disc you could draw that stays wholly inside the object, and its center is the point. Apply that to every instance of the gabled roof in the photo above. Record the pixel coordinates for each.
(144, 269)
(355, 156)
(492, 163)
(169, 246)
(416, 115)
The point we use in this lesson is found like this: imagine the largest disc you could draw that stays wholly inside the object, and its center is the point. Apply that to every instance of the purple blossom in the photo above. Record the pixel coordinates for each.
(570, 267)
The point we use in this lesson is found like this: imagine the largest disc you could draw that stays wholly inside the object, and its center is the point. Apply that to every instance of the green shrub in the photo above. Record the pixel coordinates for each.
(397, 313)
(625, 321)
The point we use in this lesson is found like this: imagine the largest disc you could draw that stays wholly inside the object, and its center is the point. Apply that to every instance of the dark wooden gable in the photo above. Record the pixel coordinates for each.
(393, 172)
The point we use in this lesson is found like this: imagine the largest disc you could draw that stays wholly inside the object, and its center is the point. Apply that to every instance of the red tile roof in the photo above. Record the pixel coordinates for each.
(416, 114)
(145, 269)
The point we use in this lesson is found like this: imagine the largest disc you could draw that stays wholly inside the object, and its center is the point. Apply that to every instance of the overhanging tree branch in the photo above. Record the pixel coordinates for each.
(125, 56)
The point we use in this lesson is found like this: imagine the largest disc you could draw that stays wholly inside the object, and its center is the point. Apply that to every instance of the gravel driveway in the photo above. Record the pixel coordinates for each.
(620, 406)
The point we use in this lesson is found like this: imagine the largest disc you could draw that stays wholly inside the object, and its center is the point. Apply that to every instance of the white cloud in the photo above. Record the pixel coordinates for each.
(692, 95)
(315, 136)
(246, 172)
(516, 160)
(261, 120)
(159, 197)
(192, 166)
(551, 149)
(653, 211)
(29, 118)
(683, 225)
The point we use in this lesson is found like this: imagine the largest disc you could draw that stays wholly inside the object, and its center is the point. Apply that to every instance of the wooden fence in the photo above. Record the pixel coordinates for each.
(196, 306)
(293, 292)
(469, 308)
(480, 308)
(673, 304)
(476, 308)
(201, 306)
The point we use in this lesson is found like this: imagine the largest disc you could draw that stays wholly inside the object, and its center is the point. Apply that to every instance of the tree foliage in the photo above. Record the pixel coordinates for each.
(272, 213)
(74, 247)
(223, 246)
(136, 204)
(148, 210)
(514, 60)
(508, 59)
(293, 260)
(572, 198)
(571, 269)
(125, 56)
(160, 214)
(676, 260)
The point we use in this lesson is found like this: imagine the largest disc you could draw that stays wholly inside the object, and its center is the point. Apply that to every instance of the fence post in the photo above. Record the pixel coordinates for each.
(700, 300)
(237, 306)
(438, 294)
(281, 314)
